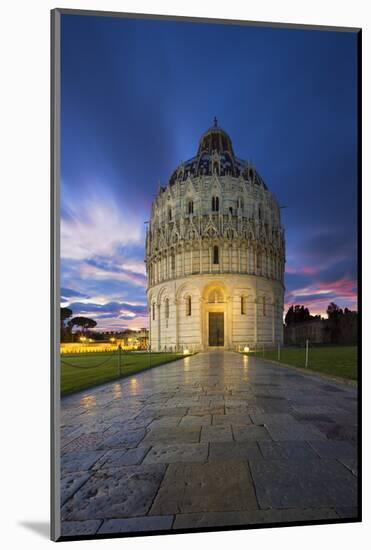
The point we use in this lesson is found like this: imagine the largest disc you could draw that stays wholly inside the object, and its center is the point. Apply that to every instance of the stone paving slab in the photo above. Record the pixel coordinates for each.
(172, 435)
(229, 419)
(75, 528)
(131, 525)
(297, 450)
(84, 442)
(216, 433)
(313, 484)
(168, 454)
(199, 487)
(251, 517)
(123, 457)
(221, 451)
(347, 512)
(201, 411)
(116, 493)
(294, 432)
(128, 439)
(250, 433)
(71, 482)
(79, 461)
(351, 464)
(165, 422)
(195, 421)
(334, 449)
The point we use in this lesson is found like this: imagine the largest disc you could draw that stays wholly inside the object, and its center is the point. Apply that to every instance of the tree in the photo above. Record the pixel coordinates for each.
(297, 314)
(334, 312)
(83, 322)
(343, 325)
(65, 314)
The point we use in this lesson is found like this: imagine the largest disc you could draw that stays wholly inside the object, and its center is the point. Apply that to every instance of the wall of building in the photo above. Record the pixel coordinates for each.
(260, 322)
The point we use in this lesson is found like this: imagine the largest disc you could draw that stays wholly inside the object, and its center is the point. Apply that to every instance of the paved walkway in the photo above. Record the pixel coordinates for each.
(211, 440)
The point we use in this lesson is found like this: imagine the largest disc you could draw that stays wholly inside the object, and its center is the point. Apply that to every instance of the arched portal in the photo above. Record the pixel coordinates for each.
(215, 317)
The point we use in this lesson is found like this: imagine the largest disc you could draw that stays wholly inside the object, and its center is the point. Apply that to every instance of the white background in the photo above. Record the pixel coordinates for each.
(24, 314)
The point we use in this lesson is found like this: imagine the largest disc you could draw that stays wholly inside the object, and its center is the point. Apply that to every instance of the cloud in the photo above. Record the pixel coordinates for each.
(112, 268)
(309, 270)
(96, 225)
(72, 293)
(115, 311)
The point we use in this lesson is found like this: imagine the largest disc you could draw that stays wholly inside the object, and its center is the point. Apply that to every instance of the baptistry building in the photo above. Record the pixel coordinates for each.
(215, 254)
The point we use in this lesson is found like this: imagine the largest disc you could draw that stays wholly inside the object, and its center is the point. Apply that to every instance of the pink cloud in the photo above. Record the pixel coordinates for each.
(305, 269)
(318, 295)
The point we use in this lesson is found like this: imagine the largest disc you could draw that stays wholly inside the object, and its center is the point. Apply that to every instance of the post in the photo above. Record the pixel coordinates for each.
(119, 354)
(263, 350)
(306, 353)
(279, 352)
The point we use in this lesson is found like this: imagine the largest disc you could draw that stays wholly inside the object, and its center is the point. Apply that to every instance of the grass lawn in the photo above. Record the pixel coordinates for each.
(333, 360)
(80, 371)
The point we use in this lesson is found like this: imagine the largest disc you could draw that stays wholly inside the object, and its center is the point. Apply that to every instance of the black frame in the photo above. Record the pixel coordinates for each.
(55, 266)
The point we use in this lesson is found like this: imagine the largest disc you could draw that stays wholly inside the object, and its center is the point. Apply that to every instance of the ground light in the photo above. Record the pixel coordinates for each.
(246, 349)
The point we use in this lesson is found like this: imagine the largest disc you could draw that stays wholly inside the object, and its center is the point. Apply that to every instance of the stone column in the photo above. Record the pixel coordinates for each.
(229, 322)
(202, 321)
(150, 324)
(176, 303)
(159, 327)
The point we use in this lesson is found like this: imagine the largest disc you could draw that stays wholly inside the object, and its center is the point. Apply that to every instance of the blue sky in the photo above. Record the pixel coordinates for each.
(136, 97)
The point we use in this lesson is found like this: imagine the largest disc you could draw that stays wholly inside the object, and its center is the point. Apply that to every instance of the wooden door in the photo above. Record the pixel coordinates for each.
(216, 329)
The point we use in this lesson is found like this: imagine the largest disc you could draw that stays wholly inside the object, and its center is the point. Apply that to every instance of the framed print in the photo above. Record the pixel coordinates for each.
(205, 281)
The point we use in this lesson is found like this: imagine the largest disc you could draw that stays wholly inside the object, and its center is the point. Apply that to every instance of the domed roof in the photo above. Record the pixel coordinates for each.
(215, 155)
(215, 139)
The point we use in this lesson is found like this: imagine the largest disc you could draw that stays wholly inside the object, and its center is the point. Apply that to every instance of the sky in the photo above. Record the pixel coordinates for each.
(136, 95)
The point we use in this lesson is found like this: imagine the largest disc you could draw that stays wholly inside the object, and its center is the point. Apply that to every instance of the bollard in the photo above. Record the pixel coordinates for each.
(119, 358)
(306, 353)
(279, 352)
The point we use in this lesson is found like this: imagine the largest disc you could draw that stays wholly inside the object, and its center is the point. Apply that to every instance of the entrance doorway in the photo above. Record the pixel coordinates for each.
(216, 328)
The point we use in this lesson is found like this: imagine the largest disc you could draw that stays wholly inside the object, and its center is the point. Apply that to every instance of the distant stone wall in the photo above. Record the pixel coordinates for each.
(317, 332)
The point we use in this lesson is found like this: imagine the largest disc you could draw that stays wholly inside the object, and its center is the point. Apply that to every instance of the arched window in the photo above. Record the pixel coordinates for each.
(216, 255)
(215, 204)
(264, 306)
(167, 308)
(154, 311)
(169, 214)
(260, 215)
(243, 305)
(173, 261)
(188, 305)
(215, 297)
(190, 207)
